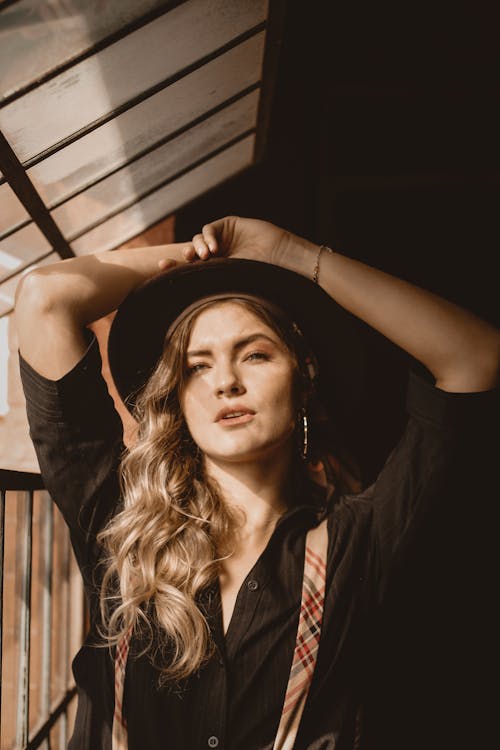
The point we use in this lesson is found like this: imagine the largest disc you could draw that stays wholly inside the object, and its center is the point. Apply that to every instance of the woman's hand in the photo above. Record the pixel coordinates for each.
(251, 239)
(241, 238)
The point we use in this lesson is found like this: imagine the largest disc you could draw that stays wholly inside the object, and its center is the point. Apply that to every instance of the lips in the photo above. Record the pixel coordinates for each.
(233, 413)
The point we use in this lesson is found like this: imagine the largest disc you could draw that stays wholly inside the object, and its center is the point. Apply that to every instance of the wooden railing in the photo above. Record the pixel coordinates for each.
(41, 618)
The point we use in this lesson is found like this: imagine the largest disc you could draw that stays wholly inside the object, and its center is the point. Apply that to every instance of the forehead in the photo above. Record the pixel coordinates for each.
(226, 321)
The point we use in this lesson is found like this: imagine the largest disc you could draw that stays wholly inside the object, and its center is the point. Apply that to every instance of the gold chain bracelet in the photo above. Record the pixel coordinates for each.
(315, 275)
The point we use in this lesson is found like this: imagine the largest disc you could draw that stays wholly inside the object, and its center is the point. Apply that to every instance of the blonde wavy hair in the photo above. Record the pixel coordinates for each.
(165, 546)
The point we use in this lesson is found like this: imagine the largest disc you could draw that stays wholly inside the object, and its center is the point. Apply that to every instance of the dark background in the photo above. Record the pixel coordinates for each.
(383, 143)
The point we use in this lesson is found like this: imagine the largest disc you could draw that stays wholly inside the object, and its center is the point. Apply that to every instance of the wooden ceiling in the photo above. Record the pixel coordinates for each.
(115, 114)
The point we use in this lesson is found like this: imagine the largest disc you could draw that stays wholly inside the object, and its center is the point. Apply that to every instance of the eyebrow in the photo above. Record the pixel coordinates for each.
(237, 346)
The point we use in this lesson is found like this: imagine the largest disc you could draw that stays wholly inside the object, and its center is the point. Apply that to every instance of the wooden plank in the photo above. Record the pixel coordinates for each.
(168, 199)
(26, 193)
(20, 249)
(12, 211)
(123, 187)
(100, 84)
(42, 36)
(109, 147)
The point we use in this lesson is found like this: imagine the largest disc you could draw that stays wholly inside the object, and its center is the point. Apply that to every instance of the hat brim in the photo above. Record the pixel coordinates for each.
(138, 331)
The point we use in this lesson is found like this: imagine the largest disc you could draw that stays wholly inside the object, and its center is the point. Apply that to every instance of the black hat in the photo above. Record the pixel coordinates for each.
(138, 331)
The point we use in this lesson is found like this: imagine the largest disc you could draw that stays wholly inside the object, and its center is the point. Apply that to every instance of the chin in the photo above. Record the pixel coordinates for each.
(241, 456)
(250, 453)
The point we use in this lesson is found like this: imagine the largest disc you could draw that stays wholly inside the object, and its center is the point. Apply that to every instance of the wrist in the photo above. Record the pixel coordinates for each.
(300, 256)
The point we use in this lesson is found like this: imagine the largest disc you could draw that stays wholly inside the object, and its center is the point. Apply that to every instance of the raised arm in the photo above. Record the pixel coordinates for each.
(56, 302)
(458, 348)
(461, 350)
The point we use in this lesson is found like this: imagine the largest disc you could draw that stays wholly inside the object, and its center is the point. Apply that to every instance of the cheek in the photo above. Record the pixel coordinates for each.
(193, 407)
(283, 399)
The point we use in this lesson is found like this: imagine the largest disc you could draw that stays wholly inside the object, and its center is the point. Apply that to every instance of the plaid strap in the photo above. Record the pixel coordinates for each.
(308, 635)
(119, 733)
(304, 658)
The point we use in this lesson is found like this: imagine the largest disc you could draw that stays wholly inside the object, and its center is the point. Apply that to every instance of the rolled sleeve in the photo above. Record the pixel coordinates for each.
(439, 465)
(77, 435)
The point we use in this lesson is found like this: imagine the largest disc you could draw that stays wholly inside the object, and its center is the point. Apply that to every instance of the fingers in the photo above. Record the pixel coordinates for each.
(189, 253)
(214, 239)
(203, 245)
(210, 237)
(195, 251)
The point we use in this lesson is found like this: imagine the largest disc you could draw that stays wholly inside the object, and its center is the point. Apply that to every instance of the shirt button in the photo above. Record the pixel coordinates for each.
(213, 741)
(252, 585)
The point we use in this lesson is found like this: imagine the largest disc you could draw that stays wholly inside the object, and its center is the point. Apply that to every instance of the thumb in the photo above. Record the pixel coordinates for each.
(166, 263)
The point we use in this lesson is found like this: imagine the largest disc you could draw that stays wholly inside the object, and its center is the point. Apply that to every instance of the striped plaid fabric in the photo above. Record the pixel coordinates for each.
(308, 635)
(119, 734)
(304, 658)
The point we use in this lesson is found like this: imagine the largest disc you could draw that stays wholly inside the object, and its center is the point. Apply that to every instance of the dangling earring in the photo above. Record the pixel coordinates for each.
(305, 434)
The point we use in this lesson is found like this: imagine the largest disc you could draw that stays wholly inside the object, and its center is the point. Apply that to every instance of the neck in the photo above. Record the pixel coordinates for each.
(258, 491)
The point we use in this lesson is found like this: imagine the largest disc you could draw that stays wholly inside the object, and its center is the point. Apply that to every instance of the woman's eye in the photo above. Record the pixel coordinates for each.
(193, 369)
(257, 355)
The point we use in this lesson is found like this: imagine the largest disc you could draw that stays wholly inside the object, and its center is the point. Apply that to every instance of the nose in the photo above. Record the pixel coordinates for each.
(227, 381)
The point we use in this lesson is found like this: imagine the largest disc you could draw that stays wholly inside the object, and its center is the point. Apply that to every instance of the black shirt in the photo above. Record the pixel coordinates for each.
(235, 701)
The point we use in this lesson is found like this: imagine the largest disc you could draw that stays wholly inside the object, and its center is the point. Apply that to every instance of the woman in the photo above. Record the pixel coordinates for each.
(197, 577)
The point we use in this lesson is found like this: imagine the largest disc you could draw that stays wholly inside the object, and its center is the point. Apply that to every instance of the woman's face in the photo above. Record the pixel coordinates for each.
(238, 398)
